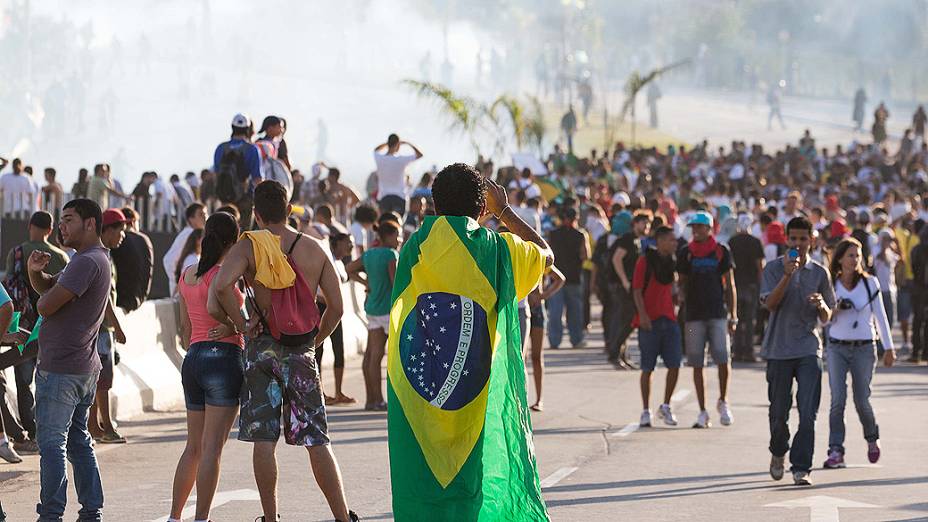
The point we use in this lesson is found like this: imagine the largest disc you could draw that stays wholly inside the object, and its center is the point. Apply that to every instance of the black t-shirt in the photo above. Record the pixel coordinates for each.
(631, 244)
(567, 243)
(705, 296)
(745, 251)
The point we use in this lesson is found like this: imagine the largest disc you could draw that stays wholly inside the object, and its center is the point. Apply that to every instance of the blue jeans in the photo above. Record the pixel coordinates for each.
(807, 372)
(571, 297)
(860, 361)
(62, 405)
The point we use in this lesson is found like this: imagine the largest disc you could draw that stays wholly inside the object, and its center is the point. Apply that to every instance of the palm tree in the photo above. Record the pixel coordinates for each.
(516, 113)
(635, 83)
(464, 112)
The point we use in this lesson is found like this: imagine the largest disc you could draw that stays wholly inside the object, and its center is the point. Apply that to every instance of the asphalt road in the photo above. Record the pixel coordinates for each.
(594, 462)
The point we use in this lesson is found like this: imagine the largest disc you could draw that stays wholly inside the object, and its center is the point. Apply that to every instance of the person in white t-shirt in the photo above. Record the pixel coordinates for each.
(391, 174)
(196, 218)
(18, 190)
(526, 183)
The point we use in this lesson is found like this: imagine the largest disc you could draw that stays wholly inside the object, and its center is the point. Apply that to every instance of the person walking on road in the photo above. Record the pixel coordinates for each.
(282, 269)
(747, 252)
(708, 295)
(379, 264)
(211, 374)
(658, 330)
(798, 293)
(571, 248)
(624, 257)
(72, 305)
(551, 283)
(859, 319)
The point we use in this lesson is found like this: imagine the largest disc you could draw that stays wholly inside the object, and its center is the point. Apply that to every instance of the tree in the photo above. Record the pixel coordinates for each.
(535, 126)
(464, 112)
(635, 83)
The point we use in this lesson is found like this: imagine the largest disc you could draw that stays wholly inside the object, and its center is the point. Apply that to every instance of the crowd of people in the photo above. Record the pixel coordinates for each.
(701, 251)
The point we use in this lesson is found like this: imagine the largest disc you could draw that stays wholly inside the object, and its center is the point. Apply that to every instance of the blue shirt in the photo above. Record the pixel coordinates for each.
(252, 157)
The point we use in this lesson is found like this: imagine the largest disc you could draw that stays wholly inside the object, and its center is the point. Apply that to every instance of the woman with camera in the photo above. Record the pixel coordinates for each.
(852, 348)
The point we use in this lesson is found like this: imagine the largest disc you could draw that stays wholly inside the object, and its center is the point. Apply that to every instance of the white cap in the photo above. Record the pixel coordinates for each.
(241, 121)
(621, 197)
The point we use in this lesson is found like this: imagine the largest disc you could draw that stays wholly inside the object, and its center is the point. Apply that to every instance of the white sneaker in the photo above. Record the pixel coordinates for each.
(703, 420)
(725, 416)
(665, 413)
(8, 454)
(645, 420)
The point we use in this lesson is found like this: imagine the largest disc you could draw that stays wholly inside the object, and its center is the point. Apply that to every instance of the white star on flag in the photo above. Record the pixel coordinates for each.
(465, 372)
(423, 354)
(445, 365)
(442, 330)
(409, 337)
(453, 306)
(413, 357)
(432, 306)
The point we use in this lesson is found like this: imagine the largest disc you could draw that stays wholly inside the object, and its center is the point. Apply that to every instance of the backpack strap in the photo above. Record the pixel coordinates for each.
(293, 245)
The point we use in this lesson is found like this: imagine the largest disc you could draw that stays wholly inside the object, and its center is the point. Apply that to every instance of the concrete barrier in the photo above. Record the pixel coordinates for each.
(148, 375)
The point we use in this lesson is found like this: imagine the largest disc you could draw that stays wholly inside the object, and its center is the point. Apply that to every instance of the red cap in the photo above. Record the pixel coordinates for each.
(838, 229)
(111, 216)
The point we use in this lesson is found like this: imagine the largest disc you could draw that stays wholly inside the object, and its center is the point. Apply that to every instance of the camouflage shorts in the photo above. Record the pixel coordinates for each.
(281, 382)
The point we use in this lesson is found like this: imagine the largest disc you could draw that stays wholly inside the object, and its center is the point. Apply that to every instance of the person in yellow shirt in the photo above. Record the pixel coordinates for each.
(907, 239)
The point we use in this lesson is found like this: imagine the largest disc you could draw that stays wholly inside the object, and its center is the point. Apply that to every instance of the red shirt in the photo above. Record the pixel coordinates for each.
(658, 298)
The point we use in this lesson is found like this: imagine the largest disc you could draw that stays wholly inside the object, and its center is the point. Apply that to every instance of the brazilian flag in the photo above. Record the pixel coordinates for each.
(459, 430)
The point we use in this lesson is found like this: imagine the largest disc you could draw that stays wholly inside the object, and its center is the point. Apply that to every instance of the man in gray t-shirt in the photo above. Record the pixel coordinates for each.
(72, 304)
(798, 293)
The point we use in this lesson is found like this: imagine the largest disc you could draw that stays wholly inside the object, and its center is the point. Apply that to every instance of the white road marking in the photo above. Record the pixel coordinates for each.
(821, 508)
(557, 476)
(221, 497)
(679, 396)
(627, 430)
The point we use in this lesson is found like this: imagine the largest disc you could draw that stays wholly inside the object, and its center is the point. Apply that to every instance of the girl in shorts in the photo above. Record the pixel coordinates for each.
(550, 284)
(379, 264)
(211, 373)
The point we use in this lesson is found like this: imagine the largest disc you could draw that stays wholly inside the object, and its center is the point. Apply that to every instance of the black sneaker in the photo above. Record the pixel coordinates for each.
(352, 517)
(262, 519)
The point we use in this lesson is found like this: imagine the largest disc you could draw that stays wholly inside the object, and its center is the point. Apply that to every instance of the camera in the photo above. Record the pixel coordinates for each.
(845, 304)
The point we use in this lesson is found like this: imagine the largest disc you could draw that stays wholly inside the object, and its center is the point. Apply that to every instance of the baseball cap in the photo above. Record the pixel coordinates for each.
(241, 121)
(700, 218)
(111, 216)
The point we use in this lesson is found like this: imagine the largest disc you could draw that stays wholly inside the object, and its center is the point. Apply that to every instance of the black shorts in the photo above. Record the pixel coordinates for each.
(538, 317)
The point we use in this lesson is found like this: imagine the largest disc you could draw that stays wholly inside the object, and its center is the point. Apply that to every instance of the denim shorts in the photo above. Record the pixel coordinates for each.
(212, 374)
(282, 382)
(662, 339)
(711, 331)
(105, 351)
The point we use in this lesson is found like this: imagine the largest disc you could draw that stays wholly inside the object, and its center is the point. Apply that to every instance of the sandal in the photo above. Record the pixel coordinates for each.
(344, 399)
(329, 400)
(538, 407)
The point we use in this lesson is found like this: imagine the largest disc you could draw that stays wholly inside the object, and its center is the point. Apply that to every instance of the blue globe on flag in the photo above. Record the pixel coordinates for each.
(446, 351)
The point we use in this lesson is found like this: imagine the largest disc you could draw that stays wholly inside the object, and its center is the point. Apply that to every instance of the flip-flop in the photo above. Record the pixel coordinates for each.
(537, 407)
(344, 399)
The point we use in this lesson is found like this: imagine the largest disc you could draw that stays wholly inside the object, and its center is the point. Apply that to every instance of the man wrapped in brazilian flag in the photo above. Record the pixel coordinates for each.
(460, 435)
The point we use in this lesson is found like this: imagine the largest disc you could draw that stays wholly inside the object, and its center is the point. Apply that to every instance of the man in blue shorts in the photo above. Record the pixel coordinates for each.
(658, 331)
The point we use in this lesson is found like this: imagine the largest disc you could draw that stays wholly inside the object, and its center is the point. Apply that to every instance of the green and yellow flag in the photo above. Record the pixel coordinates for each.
(459, 430)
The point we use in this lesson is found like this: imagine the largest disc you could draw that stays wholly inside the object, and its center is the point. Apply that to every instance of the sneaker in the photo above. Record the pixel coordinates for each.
(835, 459)
(725, 416)
(26, 447)
(645, 420)
(666, 414)
(776, 467)
(113, 438)
(579, 346)
(802, 478)
(702, 421)
(262, 519)
(8, 454)
(352, 517)
(873, 451)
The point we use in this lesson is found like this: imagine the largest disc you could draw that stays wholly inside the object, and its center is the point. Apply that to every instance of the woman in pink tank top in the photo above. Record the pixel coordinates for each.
(211, 373)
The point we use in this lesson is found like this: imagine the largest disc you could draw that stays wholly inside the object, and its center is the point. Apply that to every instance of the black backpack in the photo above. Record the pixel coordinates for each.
(602, 258)
(232, 178)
